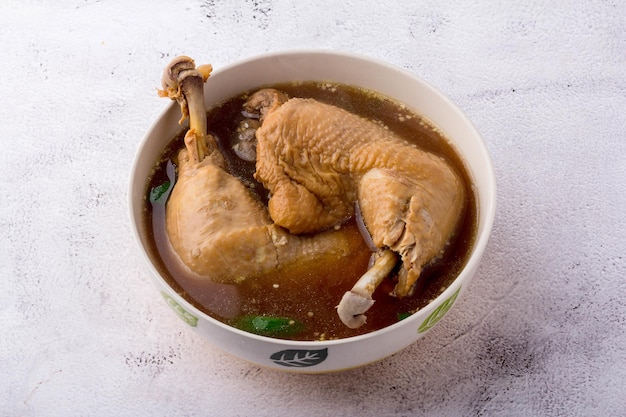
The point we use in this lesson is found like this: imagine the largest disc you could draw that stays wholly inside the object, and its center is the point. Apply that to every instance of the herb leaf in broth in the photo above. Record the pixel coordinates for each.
(159, 193)
(402, 316)
(270, 326)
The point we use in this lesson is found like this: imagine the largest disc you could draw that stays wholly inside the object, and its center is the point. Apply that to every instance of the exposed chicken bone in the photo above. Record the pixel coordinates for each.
(183, 82)
(358, 300)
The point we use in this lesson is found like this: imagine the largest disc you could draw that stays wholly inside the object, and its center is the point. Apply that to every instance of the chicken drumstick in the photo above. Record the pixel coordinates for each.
(219, 230)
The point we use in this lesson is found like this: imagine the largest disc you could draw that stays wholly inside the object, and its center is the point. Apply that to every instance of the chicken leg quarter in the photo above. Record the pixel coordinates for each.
(219, 230)
(317, 160)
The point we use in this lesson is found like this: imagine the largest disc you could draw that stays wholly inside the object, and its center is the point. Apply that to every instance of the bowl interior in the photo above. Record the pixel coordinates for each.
(335, 67)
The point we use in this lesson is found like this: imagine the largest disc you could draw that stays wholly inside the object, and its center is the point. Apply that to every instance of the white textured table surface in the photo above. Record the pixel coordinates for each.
(542, 329)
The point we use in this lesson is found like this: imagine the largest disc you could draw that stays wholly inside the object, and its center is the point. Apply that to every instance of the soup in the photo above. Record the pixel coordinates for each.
(300, 303)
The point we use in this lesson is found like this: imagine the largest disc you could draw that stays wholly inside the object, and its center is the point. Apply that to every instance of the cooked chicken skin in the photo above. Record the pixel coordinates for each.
(317, 160)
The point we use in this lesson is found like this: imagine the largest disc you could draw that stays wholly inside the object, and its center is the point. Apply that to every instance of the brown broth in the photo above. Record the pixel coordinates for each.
(308, 296)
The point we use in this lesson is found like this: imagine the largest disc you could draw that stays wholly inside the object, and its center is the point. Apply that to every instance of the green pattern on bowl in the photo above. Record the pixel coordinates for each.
(187, 317)
(439, 312)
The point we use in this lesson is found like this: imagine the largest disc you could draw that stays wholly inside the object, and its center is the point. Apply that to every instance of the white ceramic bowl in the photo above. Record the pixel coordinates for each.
(333, 355)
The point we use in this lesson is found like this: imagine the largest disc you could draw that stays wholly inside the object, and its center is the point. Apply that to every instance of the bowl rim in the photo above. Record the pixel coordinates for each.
(487, 210)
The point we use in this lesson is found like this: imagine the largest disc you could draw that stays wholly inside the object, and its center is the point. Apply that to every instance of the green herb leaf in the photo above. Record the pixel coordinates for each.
(402, 316)
(270, 326)
(159, 194)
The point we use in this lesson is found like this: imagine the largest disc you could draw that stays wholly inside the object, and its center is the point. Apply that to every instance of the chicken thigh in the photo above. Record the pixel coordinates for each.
(318, 160)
